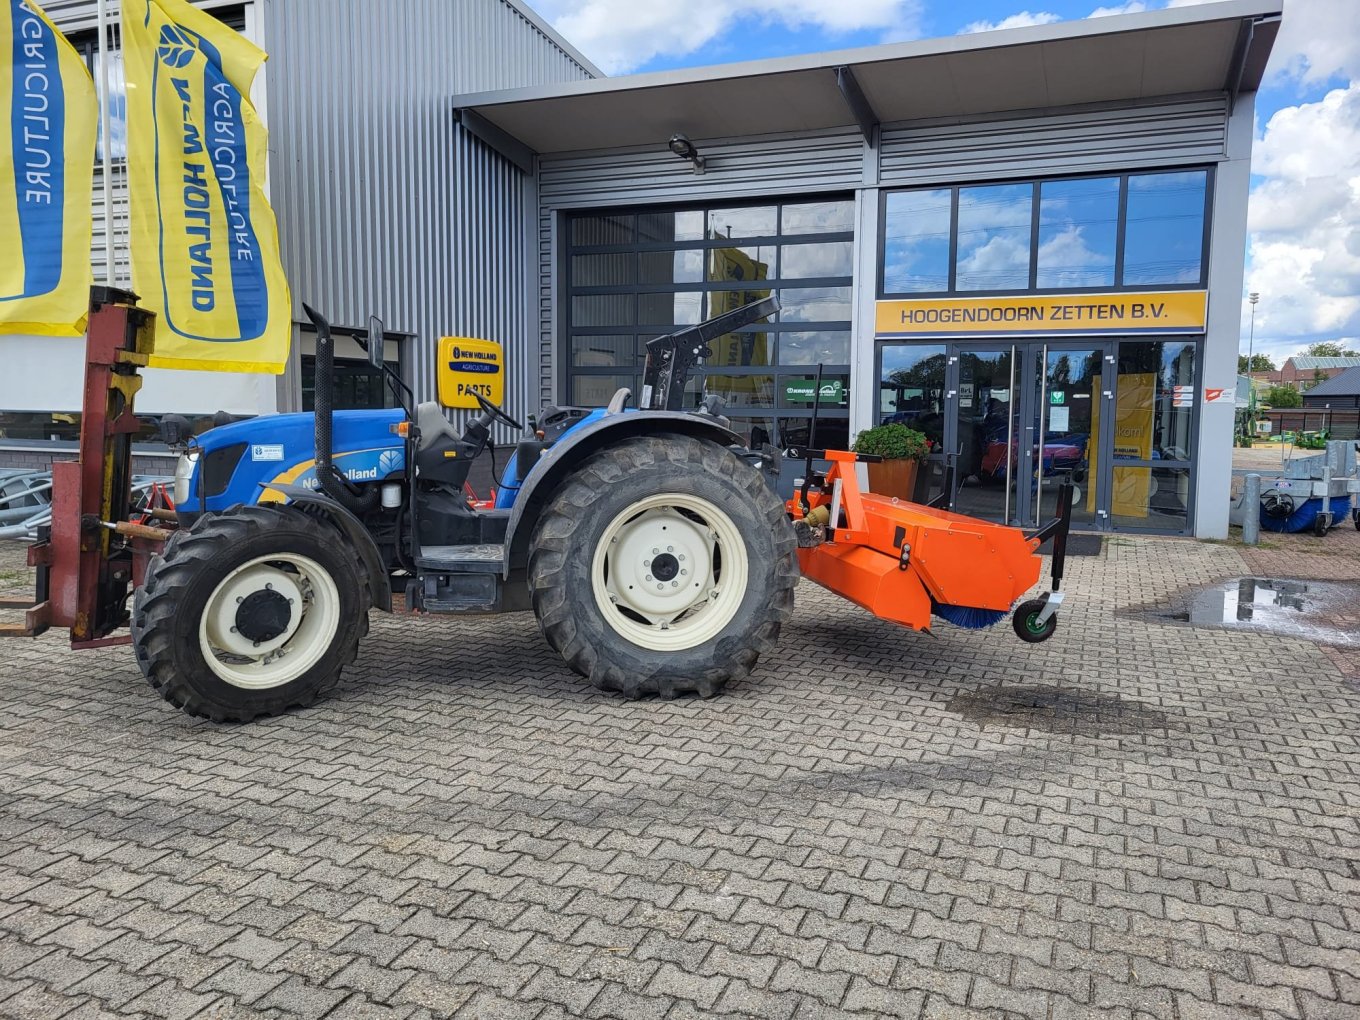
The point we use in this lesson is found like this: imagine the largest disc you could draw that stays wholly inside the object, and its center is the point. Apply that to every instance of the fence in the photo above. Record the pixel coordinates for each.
(1338, 422)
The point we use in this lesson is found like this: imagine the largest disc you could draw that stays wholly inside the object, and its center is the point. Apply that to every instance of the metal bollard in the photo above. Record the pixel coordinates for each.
(1251, 510)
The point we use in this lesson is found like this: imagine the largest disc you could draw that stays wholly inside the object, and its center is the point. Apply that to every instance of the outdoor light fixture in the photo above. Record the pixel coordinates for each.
(684, 148)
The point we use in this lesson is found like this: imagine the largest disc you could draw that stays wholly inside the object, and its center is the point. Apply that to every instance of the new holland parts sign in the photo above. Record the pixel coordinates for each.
(1176, 311)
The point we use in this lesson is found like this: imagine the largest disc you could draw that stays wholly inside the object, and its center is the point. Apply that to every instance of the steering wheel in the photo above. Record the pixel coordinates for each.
(497, 413)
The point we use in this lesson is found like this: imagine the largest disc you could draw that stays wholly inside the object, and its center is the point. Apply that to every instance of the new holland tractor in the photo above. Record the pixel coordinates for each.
(647, 540)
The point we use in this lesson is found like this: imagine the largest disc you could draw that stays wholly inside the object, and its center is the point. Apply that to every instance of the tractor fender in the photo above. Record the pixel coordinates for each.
(378, 583)
(567, 453)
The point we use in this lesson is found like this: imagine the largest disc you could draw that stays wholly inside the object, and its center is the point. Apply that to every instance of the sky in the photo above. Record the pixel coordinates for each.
(1303, 253)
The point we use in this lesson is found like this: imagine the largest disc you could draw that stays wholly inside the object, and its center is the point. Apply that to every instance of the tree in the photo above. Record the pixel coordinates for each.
(1259, 363)
(1331, 349)
(1282, 396)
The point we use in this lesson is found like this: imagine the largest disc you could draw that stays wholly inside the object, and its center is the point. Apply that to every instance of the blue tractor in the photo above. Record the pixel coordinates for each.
(648, 541)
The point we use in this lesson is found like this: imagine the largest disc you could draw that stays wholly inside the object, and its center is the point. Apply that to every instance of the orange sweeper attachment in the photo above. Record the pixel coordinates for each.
(908, 562)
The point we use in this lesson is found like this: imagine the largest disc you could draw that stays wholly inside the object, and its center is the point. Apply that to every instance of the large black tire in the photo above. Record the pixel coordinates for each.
(184, 580)
(602, 492)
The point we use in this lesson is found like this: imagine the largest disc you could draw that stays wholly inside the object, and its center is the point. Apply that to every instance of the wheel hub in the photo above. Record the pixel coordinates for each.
(263, 615)
(661, 564)
(665, 567)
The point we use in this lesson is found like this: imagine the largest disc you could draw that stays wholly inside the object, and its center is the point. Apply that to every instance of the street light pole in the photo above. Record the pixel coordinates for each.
(1252, 298)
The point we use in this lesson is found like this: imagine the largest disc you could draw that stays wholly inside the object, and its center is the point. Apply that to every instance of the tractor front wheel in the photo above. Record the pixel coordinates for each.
(250, 612)
(663, 565)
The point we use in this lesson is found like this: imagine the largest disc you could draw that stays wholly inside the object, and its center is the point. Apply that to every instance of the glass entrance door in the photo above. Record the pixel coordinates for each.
(985, 417)
(1074, 388)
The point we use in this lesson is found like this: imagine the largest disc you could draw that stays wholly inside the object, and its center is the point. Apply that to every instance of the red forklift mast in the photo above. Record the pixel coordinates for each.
(91, 557)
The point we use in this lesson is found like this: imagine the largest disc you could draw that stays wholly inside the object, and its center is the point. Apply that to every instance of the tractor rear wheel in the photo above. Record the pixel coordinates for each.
(250, 612)
(663, 565)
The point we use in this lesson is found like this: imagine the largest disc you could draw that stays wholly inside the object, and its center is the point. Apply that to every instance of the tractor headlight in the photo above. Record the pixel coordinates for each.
(184, 472)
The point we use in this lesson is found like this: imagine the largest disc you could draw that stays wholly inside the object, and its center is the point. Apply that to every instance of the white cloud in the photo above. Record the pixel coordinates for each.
(621, 35)
(1305, 222)
(1022, 20)
(1132, 7)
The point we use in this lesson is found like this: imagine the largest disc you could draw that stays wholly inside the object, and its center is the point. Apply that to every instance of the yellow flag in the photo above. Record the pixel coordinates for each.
(205, 248)
(46, 177)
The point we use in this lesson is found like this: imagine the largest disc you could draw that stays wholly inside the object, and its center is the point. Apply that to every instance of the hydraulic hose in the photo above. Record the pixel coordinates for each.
(332, 482)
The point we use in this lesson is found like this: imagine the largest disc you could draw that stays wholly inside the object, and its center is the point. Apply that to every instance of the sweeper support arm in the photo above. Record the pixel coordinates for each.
(905, 562)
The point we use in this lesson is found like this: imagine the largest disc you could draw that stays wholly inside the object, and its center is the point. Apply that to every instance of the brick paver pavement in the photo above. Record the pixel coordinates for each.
(1137, 818)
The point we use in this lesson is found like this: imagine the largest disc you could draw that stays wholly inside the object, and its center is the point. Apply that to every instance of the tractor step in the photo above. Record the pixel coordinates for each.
(462, 559)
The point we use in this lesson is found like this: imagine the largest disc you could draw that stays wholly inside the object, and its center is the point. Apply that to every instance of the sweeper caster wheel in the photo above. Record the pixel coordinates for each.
(1356, 516)
(1322, 524)
(663, 565)
(250, 612)
(1027, 625)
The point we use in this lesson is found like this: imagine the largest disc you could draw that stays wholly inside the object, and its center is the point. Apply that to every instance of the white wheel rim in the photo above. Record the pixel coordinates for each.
(670, 572)
(314, 603)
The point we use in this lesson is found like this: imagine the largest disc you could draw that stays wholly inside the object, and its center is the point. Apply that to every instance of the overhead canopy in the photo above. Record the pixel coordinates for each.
(1220, 47)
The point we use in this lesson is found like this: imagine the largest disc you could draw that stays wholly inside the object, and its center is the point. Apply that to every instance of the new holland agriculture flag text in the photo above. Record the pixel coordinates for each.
(205, 249)
(46, 176)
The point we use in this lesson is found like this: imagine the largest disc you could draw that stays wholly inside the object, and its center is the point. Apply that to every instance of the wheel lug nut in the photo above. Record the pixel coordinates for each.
(660, 587)
(683, 573)
(675, 584)
(233, 630)
(239, 599)
(646, 563)
(681, 557)
(268, 587)
(649, 577)
(670, 548)
(655, 551)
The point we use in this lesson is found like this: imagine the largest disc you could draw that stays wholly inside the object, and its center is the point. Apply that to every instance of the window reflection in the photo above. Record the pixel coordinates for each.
(613, 228)
(916, 241)
(670, 309)
(1150, 498)
(602, 310)
(1164, 232)
(741, 264)
(1154, 400)
(601, 351)
(685, 225)
(755, 221)
(825, 347)
(734, 350)
(811, 261)
(1078, 222)
(911, 387)
(814, 304)
(818, 218)
(662, 267)
(613, 269)
(993, 237)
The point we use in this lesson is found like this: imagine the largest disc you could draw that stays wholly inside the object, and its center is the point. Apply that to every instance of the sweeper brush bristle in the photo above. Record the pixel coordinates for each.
(966, 616)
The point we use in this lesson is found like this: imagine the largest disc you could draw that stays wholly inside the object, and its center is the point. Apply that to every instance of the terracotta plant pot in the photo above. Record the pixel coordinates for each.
(893, 478)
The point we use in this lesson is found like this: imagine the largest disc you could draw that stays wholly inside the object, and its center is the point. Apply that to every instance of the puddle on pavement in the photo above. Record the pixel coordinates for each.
(1056, 710)
(1322, 611)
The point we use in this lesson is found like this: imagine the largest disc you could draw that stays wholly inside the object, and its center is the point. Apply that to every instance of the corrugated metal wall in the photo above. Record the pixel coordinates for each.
(1059, 143)
(385, 204)
(736, 168)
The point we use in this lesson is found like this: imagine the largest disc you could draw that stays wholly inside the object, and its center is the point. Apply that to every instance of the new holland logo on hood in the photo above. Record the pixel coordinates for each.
(204, 243)
(46, 175)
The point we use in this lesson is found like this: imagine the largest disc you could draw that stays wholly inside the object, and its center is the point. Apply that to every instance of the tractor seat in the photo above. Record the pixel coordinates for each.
(433, 425)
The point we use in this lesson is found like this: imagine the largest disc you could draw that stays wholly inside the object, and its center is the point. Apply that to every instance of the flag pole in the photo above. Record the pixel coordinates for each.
(106, 140)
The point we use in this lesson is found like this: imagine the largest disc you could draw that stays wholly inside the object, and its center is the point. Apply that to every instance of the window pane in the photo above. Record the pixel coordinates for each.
(825, 348)
(1150, 498)
(663, 267)
(833, 433)
(1164, 232)
(670, 309)
(819, 218)
(595, 390)
(612, 270)
(602, 351)
(796, 390)
(911, 388)
(615, 229)
(916, 242)
(602, 310)
(737, 265)
(815, 304)
(720, 301)
(117, 109)
(806, 261)
(1154, 400)
(755, 432)
(660, 227)
(743, 390)
(732, 350)
(755, 221)
(994, 235)
(1077, 225)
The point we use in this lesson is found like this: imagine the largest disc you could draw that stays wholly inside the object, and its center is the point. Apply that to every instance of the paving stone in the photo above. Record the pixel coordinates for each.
(1117, 823)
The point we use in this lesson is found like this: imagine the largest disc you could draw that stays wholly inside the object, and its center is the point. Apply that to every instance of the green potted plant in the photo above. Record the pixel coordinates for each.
(902, 449)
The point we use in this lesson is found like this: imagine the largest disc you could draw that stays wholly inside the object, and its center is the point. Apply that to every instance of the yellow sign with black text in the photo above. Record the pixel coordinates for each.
(467, 367)
(1177, 311)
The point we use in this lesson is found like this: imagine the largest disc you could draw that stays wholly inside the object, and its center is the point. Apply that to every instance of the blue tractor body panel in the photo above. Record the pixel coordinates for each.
(512, 480)
(238, 462)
